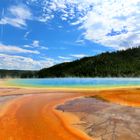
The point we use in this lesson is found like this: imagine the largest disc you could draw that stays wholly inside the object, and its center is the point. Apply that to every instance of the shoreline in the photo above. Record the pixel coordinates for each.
(4, 84)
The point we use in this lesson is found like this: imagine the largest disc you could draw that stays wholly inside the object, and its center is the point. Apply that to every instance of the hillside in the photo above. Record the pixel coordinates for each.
(116, 64)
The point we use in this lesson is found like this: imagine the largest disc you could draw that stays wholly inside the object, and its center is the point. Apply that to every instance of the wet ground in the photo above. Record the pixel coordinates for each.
(104, 120)
(41, 114)
(29, 114)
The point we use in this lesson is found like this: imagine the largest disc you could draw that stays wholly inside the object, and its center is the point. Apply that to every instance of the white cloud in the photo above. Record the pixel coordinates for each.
(78, 55)
(64, 58)
(15, 49)
(112, 23)
(60, 26)
(117, 16)
(21, 12)
(16, 22)
(27, 46)
(44, 48)
(23, 63)
(71, 57)
(26, 34)
(16, 16)
(36, 44)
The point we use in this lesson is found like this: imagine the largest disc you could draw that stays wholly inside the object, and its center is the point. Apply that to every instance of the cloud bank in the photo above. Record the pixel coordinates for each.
(16, 16)
(23, 63)
(110, 23)
(15, 49)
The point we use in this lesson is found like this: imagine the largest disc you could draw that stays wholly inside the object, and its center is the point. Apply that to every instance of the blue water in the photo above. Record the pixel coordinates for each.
(77, 82)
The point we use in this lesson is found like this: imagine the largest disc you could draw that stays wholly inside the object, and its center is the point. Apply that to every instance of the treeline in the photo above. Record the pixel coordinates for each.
(110, 64)
(17, 74)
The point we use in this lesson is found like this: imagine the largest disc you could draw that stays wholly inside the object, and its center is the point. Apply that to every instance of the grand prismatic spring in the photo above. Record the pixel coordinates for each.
(69, 69)
(70, 109)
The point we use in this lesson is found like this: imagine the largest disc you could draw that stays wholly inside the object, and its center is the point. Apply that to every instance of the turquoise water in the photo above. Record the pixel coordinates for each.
(77, 82)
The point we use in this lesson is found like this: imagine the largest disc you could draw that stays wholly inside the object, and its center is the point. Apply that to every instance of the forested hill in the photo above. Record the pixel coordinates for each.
(116, 64)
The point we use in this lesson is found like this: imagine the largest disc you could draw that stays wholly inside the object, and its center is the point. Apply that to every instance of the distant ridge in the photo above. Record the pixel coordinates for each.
(125, 63)
(17, 73)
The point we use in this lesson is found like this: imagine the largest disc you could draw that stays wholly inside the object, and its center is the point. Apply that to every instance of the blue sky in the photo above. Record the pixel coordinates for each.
(40, 33)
